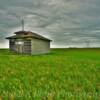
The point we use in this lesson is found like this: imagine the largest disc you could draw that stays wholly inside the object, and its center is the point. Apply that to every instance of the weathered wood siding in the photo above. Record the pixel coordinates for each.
(30, 46)
(12, 45)
(40, 46)
(27, 47)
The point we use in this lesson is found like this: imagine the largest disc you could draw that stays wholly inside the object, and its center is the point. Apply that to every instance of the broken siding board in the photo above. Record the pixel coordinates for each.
(27, 47)
(12, 45)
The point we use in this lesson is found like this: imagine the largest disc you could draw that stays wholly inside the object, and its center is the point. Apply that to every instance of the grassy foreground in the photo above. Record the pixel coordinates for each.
(64, 74)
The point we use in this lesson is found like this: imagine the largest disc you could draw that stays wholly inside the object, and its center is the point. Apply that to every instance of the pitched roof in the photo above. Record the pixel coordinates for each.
(27, 34)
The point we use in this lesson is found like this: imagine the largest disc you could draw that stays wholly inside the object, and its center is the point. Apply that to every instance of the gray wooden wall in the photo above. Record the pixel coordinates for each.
(27, 47)
(32, 46)
(40, 46)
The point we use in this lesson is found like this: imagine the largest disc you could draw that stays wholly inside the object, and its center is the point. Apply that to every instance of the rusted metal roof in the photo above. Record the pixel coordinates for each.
(27, 34)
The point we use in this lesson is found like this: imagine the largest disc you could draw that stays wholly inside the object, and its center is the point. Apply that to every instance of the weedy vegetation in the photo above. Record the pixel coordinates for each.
(64, 74)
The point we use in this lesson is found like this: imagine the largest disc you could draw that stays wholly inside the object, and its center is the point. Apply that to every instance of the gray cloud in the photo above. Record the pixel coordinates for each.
(67, 22)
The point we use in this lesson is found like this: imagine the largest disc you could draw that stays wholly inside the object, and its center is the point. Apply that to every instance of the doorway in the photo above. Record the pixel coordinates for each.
(19, 46)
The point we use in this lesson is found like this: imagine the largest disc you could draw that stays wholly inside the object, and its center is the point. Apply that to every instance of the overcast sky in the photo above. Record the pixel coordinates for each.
(67, 22)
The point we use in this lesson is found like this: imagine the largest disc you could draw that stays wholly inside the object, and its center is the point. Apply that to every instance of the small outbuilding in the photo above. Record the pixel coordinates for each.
(26, 42)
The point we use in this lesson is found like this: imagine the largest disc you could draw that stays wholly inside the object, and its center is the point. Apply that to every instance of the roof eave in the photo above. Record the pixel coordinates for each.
(27, 37)
(7, 38)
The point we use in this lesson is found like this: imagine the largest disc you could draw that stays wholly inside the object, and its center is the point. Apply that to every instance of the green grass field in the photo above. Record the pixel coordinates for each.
(64, 74)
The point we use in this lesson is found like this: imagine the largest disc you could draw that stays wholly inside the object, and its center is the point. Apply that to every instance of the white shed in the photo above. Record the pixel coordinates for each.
(26, 42)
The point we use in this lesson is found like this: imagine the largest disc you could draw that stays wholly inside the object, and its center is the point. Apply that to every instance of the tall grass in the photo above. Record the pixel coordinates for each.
(64, 74)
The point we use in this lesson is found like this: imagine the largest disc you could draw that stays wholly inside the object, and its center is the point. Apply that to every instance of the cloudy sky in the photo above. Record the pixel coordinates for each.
(67, 22)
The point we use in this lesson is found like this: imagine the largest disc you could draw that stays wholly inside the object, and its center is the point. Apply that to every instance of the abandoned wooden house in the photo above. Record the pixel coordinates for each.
(26, 42)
